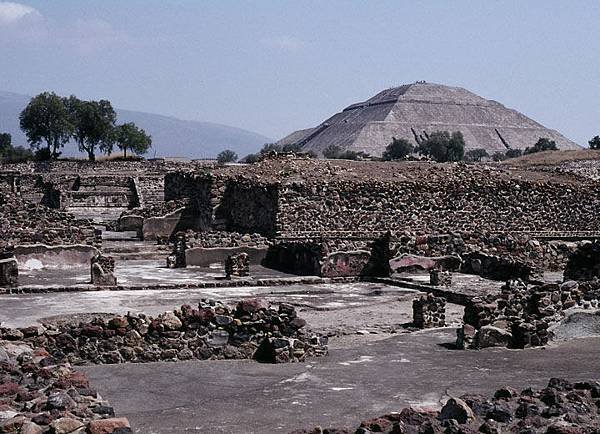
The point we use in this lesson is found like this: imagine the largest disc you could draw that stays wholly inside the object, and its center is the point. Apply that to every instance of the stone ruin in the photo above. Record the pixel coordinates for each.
(177, 257)
(211, 330)
(102, 269)
(9, 268)
(584, 264)
(237, 265)
(521, 315)
(439, 277)
(429, 312)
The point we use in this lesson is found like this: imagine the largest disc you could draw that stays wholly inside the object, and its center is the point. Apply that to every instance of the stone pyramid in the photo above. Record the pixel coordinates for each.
(414, 111)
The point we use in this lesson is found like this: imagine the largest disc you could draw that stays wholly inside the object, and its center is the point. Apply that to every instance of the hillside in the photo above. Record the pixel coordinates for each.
(171, 137)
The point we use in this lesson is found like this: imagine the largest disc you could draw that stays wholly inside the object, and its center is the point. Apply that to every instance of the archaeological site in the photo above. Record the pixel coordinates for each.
(300, 295)
(299, 217)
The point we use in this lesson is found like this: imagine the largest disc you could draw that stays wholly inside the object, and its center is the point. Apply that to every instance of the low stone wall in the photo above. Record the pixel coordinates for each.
(204, 257)
(210, 331)
(561, 407)
(163, 227)
(498, 267)
(40, 394)
(34, 256)
(521, 315)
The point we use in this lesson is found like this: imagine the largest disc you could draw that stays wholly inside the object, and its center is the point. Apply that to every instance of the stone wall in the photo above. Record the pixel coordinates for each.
(27, 223)
(210, 331)
(521, 315)
(463, 202)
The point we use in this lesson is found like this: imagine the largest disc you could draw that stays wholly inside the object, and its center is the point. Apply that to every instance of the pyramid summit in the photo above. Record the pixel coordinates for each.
(413, 111)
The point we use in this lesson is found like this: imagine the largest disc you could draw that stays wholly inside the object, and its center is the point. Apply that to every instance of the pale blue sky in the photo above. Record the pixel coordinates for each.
(277, 66)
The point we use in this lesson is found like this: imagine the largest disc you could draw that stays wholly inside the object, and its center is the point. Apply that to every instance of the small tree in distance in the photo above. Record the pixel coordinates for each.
(227, 156)
(129, 136)
(543, 144)
(476, 154)
(442, 147)
(595, 143)
(514, 153)
(398, 149)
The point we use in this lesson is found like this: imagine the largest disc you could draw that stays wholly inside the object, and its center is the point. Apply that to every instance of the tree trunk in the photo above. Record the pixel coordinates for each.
(91, 156)
(125, 153)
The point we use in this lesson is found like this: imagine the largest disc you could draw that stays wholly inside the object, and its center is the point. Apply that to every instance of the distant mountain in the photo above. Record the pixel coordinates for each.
(171, 137)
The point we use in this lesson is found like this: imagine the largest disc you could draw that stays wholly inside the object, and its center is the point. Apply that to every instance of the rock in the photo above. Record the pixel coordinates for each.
(60, 401)
(66, 425)
(31, 428)
(170, 321)
(107, 426)
(458, 410)
(490, 336)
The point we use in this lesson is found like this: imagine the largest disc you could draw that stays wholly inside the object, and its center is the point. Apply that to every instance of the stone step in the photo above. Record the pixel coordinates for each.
(120, 236)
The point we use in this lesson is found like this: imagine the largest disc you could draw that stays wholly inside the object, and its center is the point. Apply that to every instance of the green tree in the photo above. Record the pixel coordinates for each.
(595, 143)
(443, 146)
(543, 144)
(514, 153)
(398, 149)
(332, 151)
(499, 156)
(46, 119)
(93, 125)
(227, 156)
(476, 154)
(130, 136)
(5, 143)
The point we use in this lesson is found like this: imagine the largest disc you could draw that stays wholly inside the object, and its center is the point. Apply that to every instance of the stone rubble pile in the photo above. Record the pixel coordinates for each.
(40, 394)
(28, 223)
(521, 315)
(560, 408)
(210, 331)
(429, 311)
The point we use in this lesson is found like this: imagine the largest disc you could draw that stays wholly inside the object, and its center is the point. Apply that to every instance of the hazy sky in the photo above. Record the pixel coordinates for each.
(276, 66)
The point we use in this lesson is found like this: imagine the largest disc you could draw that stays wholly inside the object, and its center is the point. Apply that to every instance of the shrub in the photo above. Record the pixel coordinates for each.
(398, 149)
(543, 144)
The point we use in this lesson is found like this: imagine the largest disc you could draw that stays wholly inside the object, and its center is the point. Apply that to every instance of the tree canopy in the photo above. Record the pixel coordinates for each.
(595, 143)
(397, 149)
(476, 154)
(93, 125)
(443, 146)
(227, 156)
(46, 119)
(129, 136)
(543, 144)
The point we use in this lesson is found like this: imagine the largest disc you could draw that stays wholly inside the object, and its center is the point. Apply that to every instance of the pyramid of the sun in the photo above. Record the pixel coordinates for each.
(414, 111)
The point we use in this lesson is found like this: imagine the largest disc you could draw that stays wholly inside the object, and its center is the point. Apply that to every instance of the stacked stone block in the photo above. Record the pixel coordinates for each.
(102, 270)
(440, 278)
(429, 311)
(237, 265)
